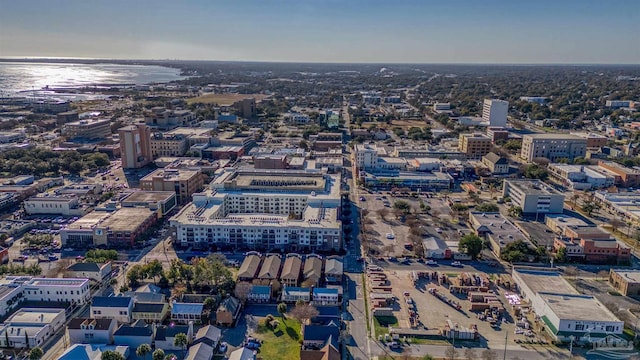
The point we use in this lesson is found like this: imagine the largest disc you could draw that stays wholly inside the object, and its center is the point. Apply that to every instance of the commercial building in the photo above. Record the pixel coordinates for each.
(366, 156)
(496, 229)
(623, 176)
(533, 196)
(496, 163)
(165, 119)
(441, 106)
(184, 182)
(415, 181)
(625, 281)
(593, 140)
(495, 111)
(88, 129)
(135, 146)
(475, 146)
(566, 314)
(10, 297)
(552, 146)
(163, 145)
(69, 290)
(497, 134)
(29, 327)
(161, 202)
(65, 205)
(580, 177)
(262, 209)
(593, 250)
(625, 204)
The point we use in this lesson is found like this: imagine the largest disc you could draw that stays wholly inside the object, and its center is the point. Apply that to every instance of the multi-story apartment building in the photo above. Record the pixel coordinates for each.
(534, 196)
(88, 129)
(163, 145)
(135, 146)
(475, 145)
(552, 146)
(183, 181)
(494, 112)
(261, 209)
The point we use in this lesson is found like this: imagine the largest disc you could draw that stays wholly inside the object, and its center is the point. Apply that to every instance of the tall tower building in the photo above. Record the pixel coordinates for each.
(495, 112)
(135, 146)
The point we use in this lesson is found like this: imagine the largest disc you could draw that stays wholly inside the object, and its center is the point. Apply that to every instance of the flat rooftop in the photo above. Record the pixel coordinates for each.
(125, 219)
(500, 229)
(632, 276)
(171, 174)
(541, 281)
(564, 220)
(89, 220)
(577, 307)
(187, 131)
(149, 196)
(64, 282)
(551, 136)
(34, 316)
(532, 187)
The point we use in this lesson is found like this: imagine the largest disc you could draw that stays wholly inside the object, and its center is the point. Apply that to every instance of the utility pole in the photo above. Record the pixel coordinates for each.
(506, 336)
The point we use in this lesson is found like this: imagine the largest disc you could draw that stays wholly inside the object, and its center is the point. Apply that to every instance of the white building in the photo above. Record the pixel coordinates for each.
(533, 196)
(282, 209)
(74, 291)
(10, 297)
(441, 106)
(298, 118)
(54, 205)
(112, 307)
(495, 112)
(29, 327)
(366, 156)
(565, 312)
(615, 104)
(580, 177)
(552, 146)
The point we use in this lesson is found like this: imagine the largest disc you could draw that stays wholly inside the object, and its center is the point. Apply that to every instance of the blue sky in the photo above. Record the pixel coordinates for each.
(416, 31)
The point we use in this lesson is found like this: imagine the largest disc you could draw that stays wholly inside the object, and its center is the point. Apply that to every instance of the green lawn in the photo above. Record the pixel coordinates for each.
(381, 324)
(282, 342)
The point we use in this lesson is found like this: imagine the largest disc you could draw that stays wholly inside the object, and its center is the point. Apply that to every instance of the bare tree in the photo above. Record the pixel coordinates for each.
(616, 224)
(469, 354)
(571, 271)
(602, 274)
(303, 312)
(383, 213)
(242, 291)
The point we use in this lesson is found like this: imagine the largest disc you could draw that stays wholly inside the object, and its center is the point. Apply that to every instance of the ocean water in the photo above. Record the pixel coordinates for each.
(39, 79)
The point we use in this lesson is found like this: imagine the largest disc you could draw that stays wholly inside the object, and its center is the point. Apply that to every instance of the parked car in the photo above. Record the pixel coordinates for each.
(456, 264)
(431, 262)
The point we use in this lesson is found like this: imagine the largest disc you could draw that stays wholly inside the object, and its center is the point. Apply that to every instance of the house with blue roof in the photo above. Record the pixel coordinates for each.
(291, 294)
(325, 296)
(182, 313)
(316, 336)
(134, 335)
(119, 308)
(260, 294)
(166, 336)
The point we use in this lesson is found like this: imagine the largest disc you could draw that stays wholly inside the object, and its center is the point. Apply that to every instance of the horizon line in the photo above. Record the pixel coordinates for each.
(70, 59)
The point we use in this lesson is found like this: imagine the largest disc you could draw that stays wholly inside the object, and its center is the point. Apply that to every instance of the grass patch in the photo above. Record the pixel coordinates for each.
(629, 333)
(223, 99)
(419, 341)
(381, 324)
(614, 293)
(281, 342)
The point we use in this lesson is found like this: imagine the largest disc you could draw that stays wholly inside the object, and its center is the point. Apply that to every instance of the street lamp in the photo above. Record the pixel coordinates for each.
(571, 339)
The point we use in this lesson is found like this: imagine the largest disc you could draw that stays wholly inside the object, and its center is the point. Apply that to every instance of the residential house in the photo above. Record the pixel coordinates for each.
(328, 352)
(250, 265)
(326, 315)
(260, 294)
(316, 336)
(134, 335)
(92, 351)
(325, 296)
(200, 351)
(291, 270)
(119, 308)
(292, 294)
(228, 311)
(91, 331)
(166, 335)
(496, 163)
(333, 270)
(270, 269)
(150, 312)
(242, 354)
(184, 312)
(89, 270)
(209, 335)
(312, 272)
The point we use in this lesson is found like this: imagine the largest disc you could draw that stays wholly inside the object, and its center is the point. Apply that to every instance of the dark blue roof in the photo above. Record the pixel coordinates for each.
(320, 332)
(111, 301)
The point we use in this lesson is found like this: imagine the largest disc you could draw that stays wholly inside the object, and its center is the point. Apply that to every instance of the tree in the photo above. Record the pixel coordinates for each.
(561, 255)
(515, 212)
(303, 312)
(471, 244)
(602, 274)
(303, 145)
(488, 354)
(282, 309)
(143, 350)
(36, 353)
(242, 291)
(469, 354)
(402, 206)
(616, 224)
(181, 341)
(515, 252)
(171, 357)
(158, 355)
(590, 206)
(427, 357)
(487, 207)
(111, 355)
(571, 271)
(535, 171)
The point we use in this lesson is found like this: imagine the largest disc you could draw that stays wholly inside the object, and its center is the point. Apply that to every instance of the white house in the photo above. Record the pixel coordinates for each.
(291, 294)
(119, 308)
(185, 312)
(31, 327)
(91, 331)
(325, 296)
(90, 270)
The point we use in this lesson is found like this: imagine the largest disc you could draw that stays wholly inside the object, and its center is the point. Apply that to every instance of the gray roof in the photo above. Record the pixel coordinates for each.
(200, 351)
(291, 268)
(148, 307)
(98, 324)
(85, 266)
(313, 267)
(249, 266)
(138, 328)
(333, 266)
(208, 332)
(495, 158)
(270, 267)
(229, 304)
(241, 354)
(164, 332)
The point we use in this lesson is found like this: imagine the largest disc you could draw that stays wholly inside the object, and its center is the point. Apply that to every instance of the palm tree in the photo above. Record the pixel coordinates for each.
(36, 353)
(143, 350)
(181, 341)
(111, 355)
(158, 355)
(282, 309)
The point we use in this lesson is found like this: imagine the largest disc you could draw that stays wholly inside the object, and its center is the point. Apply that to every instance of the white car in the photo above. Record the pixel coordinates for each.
(390, 236)
(431, 262)
(438, 230)
(456, 263)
